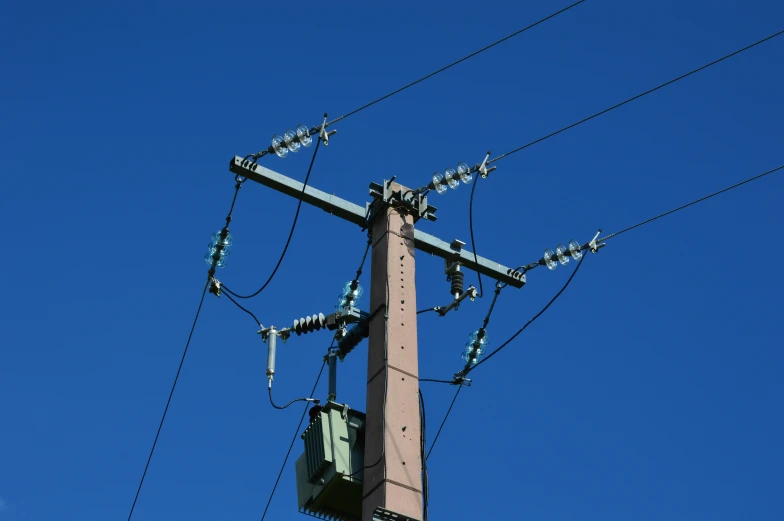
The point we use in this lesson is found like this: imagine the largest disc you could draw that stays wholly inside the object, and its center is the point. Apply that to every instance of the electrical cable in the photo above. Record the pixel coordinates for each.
(692, 203)
(426, 310)
(168, 401)
(422, 446)
(291, 233)
(460, 386)
(649, 91)
(471, 230)
(228, 295)
(442, 69)
(362, 264)
(293, 440)
(295, 400)
(569, 280)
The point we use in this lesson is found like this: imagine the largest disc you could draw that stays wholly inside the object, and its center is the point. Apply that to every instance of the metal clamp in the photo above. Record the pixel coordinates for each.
(323, 134)
(215, 287)
(593, 245)
(482, 169)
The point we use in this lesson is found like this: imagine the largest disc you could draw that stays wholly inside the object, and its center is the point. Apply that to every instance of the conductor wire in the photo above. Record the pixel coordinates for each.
(638, 96)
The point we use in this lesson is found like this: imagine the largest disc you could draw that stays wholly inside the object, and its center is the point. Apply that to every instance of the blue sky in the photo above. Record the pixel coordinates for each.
(651, 390)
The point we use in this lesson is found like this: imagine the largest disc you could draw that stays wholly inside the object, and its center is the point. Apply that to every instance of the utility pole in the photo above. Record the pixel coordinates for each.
(392, 485)
(392, 435)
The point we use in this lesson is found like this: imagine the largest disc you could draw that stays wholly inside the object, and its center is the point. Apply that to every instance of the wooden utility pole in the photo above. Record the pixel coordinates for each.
(393, 470)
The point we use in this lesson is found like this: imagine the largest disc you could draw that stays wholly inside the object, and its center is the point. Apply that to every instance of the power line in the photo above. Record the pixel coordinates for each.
(291, 233)
(692, 203)
(293, 440)
(633, 98)
(171, 393)
(532, 319)
(444, 421)
(461, 60)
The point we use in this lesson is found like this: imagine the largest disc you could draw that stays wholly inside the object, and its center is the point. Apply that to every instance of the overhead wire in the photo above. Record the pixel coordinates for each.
(438, 433)
(638, 96)
(701, 199)
(291, 233)
(168, 401)
(461, 60)
(223, 233)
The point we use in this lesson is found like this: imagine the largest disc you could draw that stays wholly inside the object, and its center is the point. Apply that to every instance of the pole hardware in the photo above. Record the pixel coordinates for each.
(593, 245)
(483, 169)
(215, 287)
(416, 204)
(323, 134)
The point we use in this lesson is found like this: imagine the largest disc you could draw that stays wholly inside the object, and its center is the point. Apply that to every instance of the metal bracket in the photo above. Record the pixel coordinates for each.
(416, 205)
(323, 134)
(470, 293)
(593, 245)
(482, 169)
(283, 334)
(215, 287)
(453, 264)
(460, 379)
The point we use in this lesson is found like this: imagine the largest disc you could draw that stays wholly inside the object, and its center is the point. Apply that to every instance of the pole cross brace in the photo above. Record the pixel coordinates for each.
(359, 215)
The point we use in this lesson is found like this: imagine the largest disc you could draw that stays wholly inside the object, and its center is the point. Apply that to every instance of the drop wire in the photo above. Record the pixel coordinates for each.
(291, 233)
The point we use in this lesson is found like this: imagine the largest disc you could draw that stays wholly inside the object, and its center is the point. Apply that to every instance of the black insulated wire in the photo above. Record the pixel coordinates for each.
(486, 321)
(461, 60)
(423, 462)
(291, 233)
(293, 441)
(228, 295)
(471, 231)
(295, 400)
(168, 401)
(638, 96)
(531, 321)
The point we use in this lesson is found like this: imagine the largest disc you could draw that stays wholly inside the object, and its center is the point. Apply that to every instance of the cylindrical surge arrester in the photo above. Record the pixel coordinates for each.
(272, 339)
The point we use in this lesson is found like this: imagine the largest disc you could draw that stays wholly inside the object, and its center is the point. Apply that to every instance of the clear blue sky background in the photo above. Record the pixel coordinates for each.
(652, 389)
